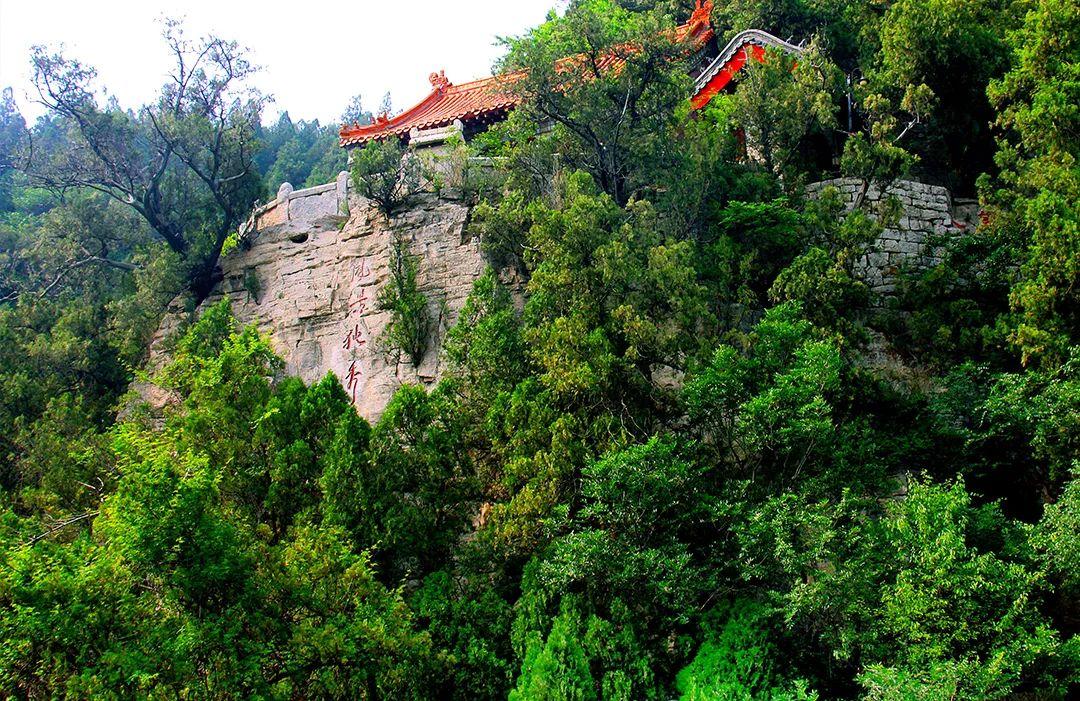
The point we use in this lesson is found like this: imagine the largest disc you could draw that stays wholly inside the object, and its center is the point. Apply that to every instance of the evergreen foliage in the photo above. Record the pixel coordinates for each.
(410, 321)
(386, 173)
(304, 154)
(691, 455)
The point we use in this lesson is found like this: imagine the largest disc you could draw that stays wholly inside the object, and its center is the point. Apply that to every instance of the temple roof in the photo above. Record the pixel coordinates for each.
(446, 104)
(743, 46)
(484, 99)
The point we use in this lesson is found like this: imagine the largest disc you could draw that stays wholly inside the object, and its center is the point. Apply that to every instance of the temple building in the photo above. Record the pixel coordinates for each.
(470, 108)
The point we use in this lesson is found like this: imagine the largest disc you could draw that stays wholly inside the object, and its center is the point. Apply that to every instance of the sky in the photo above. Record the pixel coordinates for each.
(314, 55)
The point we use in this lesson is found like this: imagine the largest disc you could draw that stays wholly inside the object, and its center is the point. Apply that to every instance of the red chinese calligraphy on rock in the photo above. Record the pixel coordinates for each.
(352, 379)
(353, 338)
(359, 305)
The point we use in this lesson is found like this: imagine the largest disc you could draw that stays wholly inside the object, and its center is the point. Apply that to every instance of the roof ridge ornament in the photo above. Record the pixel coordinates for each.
(439, 81)
(702, 12)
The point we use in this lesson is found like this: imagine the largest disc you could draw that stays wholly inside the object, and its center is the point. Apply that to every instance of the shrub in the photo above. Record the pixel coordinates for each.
(409, 321)
(386, 173)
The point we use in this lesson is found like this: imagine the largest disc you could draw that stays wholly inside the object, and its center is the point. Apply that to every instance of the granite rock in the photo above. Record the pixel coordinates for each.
(310, 282)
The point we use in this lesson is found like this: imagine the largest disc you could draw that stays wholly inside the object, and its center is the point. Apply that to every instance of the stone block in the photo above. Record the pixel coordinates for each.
(273, 216)
(910, 248)
(877, 259)
(311, 207)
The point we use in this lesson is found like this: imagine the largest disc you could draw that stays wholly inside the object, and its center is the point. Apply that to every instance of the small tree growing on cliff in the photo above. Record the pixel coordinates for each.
(875, 154)
(407, 330)
(386, 173)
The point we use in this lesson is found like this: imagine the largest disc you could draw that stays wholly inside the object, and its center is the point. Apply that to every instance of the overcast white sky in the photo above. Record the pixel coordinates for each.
(315, 55)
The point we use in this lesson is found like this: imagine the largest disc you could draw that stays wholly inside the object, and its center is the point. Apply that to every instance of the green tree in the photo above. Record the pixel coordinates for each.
(609, 80)
(354, 112)
(469, 621)
(13, 136)
(610, 299)
(556, 669)
(767, 413)
(876, 154)
(1058, 552)
(779, 103)
(184, 164)
(1034, 201)
(304, 154)
(739, 659)
(907, 597)
(925, 46)
(410, 321)
(386, 173)
(419, 485)
(823, 277)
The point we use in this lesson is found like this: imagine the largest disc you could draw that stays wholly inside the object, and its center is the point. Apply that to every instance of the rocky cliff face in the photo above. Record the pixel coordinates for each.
(311, 264)
(308, 274)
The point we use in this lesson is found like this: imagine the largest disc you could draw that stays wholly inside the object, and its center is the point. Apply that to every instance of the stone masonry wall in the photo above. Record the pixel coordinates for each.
(929, 216)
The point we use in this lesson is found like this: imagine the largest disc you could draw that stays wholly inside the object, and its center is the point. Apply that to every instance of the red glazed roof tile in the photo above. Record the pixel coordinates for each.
(446, 104)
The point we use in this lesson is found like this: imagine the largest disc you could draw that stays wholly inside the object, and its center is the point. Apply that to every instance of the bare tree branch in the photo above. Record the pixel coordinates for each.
(61, 526)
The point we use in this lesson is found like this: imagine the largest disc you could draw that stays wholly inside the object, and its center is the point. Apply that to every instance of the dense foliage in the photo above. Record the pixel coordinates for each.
(696, 458)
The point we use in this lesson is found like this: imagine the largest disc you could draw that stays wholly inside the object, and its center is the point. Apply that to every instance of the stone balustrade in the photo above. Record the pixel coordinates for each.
(300, 209)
